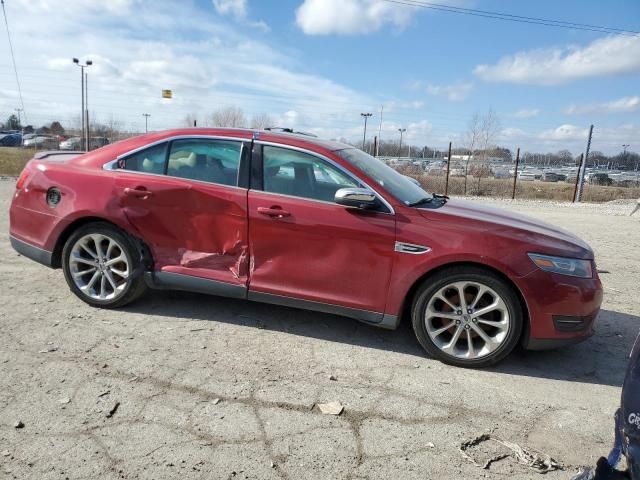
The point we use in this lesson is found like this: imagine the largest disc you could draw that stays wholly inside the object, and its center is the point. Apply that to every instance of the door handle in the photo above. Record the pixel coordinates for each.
(138, 192)
(274, 212)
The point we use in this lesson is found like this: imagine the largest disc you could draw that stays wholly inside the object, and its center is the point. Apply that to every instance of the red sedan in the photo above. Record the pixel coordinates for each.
(293, 220)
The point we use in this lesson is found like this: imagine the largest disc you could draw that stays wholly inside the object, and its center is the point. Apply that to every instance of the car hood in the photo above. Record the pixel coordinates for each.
(547, 238)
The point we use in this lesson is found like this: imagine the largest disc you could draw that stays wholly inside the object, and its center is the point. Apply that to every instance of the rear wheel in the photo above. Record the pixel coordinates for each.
(101, 265)
(467, 316)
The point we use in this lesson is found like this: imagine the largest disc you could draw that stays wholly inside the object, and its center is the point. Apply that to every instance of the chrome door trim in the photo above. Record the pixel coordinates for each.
(110, 164)
(335, 164)
(411, 248)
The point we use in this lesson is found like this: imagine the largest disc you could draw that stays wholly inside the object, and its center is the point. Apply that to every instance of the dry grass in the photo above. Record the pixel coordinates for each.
(13, 160)
(503, 188)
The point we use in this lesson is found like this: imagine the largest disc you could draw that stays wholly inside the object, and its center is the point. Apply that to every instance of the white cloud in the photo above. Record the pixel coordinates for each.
(236, 8)
(611, 55)
(455, 92)
(349, 17)
(622, 105)
(526, 113)
(564, 132)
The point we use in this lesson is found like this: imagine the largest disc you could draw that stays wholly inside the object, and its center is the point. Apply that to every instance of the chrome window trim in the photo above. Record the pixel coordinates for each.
(331, 162)
(110, 164)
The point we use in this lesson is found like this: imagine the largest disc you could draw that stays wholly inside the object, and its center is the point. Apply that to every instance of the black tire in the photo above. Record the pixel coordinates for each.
(440, 280)
(133, 287)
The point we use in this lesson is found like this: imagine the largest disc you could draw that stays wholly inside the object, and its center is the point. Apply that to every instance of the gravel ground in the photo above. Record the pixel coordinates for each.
(188, 386)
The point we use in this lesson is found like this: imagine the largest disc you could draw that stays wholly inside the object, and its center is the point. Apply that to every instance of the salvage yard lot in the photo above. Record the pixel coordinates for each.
(183, 385)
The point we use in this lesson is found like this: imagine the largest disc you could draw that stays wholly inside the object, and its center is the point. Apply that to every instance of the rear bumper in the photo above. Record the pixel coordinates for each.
(34, 253)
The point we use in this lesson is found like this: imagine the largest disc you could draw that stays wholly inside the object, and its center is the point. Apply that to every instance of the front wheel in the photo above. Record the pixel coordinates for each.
(100, 264)
(467, 316)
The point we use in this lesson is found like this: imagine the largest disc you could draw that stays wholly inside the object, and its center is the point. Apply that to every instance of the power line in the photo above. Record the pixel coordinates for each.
(13, 59)
(515, 18)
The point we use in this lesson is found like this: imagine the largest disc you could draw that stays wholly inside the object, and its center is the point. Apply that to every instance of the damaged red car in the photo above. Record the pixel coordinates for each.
(293, 220)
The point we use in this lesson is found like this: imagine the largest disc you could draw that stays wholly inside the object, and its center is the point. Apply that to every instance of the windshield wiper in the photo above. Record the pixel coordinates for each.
(444, 198)
(420, 202)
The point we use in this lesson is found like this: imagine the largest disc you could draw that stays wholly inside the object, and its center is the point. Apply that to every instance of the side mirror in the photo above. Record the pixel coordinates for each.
(357, 197)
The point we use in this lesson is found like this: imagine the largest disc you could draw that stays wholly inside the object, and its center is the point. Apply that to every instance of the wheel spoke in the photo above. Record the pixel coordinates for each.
(431, 313)
(79, 259)
(489, 342)
(446, 300)
(121, 273)
(82, 273)
(97, 239)
(470, 350)
(93, 280)
(103, 286)
(450, 347)
(481, 291)
(109, 277)
(441, 330)
(489, 308)
(109, 248)
(460, 288)
(113, 261)
(86, 248)
(502, 325)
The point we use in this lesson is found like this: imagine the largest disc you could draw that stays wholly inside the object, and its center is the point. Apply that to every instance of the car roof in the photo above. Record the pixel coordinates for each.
(110, 152)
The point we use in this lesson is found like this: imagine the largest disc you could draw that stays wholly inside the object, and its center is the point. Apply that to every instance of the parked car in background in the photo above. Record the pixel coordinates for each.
(41, 142)
(600, 179)
(308, 223)
(526, 176)
(501, 173)
(71, 143)
(10, 139)
(98, 142)
(549, 177)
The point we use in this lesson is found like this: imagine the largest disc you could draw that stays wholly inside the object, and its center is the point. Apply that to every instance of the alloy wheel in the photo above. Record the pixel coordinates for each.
(467, 320)
(99, 267)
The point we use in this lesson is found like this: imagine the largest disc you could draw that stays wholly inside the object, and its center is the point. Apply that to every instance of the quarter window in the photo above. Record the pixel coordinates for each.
(149, 160)
(215, 161)
(290, 172)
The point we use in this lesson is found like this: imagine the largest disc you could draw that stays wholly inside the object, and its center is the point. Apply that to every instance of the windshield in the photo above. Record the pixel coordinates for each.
(393, 182)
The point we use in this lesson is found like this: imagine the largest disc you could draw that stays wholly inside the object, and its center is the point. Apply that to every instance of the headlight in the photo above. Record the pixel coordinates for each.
(565, 266)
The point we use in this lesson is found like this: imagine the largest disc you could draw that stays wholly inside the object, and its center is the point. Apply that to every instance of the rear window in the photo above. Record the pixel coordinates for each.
(149, 160)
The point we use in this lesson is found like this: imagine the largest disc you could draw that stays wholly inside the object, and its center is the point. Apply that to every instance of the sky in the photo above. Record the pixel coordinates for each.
(315, 65)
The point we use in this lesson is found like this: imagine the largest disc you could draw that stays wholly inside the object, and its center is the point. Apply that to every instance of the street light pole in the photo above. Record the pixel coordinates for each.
(146, 122)
(401, 130)
(84, 138)
(364, 136)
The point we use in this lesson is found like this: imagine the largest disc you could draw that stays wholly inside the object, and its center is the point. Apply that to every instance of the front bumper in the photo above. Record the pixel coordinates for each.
(562, 309)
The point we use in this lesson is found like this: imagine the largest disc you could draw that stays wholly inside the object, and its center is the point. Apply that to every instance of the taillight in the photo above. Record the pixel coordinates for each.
(22, 179)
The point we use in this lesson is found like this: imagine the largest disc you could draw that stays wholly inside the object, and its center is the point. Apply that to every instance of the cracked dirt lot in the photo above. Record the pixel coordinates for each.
(216, 388)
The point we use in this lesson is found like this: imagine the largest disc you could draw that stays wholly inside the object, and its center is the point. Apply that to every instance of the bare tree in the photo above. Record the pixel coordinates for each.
(480, 135)
(472, 138)
(490, 127)
(229, 117)
(261, 121)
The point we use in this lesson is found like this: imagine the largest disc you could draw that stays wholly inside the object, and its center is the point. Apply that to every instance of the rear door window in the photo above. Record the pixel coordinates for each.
(214, 161)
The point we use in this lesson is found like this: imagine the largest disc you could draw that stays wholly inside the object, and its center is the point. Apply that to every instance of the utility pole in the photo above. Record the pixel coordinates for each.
(84, 140)
(401, 130)
(575, 189)
(364, 136)
(583, 167)
(86, 110)
(515, 174)
(446, 184)
(379, 131)
(146, 122)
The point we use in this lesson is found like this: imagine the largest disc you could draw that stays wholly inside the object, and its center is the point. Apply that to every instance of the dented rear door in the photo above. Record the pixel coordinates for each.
(193, 227)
